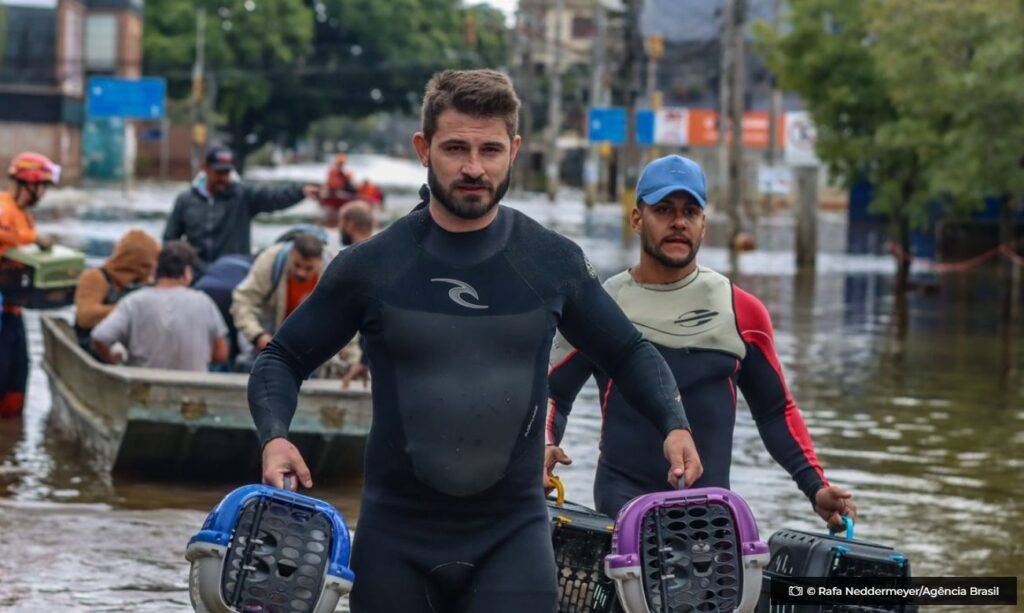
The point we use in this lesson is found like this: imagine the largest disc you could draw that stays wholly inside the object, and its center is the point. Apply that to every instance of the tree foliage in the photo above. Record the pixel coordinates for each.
(921, 98)
(958, 68)
(278, 65)
(827, 55)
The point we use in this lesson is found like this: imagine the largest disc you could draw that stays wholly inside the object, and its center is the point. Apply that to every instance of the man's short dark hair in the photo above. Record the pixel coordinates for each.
(174, 257)
(308, 245)
(358, 213)
(478, 93)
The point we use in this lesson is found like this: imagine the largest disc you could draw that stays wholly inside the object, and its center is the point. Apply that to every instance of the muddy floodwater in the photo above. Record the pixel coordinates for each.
(920, 412)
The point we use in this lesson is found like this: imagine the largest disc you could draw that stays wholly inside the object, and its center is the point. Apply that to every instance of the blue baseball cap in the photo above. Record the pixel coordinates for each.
(672, 173)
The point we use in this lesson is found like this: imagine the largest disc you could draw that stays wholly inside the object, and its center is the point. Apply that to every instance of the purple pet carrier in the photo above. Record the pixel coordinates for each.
(687, 550)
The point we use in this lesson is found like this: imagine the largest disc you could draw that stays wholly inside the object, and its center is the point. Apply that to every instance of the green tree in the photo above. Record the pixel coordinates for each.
(960, 71)
(920, 98)
(255, 50)
(276, 66)
(826, 55)
(376, 56)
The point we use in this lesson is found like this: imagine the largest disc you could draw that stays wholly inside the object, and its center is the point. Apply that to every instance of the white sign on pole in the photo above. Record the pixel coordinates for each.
(801, 136)
(672, 126)
(774, 180)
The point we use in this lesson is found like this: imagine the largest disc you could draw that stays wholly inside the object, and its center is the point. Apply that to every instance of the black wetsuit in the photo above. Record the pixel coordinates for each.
(458, 329)
(715, 337)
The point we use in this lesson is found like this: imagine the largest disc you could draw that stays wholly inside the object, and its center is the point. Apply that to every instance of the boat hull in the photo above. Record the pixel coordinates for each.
(184, 425)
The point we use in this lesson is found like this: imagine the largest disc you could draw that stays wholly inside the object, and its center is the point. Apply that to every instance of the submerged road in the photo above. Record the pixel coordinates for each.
(920, 414)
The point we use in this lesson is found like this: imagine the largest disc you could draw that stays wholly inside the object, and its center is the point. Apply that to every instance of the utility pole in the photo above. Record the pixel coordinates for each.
(524, 60)
(731, 103)
(554, 97)
(775, 103)
(631, 161)
(198, 85)
(591, 169)
(807, 216)
(655, 49)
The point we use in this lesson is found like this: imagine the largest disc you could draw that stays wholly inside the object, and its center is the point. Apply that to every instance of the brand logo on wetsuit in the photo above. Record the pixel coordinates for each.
(460, 289)
(697, 317)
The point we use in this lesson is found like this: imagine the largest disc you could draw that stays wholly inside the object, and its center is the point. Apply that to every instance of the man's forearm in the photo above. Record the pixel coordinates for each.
(268, 198)
(273, 394)
(104, 352)
(647, 383)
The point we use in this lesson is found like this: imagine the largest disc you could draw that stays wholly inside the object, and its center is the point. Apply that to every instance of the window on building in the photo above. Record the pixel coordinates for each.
(583, 27)
(101, 43)
(29, 44)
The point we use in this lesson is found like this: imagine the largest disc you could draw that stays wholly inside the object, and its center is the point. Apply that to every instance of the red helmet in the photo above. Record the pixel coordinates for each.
(29, 167)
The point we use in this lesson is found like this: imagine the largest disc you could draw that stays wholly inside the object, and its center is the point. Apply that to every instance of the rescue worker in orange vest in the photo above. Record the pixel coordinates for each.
(28, 177)
(369, 192)
(339, 191)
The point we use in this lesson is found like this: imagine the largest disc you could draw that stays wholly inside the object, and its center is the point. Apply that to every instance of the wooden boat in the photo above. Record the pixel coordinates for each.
(186, 425)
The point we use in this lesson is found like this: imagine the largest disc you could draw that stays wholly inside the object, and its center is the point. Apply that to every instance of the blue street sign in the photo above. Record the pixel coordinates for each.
(606, 125)
(644, 127)
(128, 98)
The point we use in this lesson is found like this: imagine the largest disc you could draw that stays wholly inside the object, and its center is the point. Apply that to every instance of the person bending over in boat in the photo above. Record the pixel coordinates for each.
(356, 226)
(29, 174)
(458, 302)
(215, 214)
(714, 336)
(356, 223)
(280, 279)
(169, 325)
(130, 267)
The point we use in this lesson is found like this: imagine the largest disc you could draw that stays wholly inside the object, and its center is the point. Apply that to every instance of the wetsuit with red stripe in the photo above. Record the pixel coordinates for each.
(716, 338)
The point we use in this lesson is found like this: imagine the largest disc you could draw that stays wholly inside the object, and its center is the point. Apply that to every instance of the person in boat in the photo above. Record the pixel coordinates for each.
(281, 277)
(339, 190)
(370, 192)
(28, 177)
(169, 325)
(219, 281)
(215, 213)
(356, 226)
(458, 302)
(130, 267)
(716, 338)
(356, 223)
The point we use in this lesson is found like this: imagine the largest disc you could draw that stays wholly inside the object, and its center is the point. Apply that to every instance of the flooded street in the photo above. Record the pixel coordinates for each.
(921, 415)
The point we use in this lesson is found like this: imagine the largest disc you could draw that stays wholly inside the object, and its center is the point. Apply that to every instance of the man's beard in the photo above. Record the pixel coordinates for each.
(647, 243)
(472, 207)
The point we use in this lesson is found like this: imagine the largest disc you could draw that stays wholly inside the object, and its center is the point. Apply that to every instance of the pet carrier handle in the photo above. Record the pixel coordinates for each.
(286, 483)
(559, 490)
(848, 525)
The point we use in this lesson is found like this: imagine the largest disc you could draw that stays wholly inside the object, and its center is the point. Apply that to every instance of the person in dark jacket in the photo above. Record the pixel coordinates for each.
(215, 214)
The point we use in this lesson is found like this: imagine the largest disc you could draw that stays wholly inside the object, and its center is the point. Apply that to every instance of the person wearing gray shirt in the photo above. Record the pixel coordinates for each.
(170, 325)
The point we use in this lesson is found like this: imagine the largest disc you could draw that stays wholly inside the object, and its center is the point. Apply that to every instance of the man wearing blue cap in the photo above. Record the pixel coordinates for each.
(714, 336)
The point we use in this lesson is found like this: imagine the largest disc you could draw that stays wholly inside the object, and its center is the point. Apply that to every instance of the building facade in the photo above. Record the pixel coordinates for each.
(48, 50)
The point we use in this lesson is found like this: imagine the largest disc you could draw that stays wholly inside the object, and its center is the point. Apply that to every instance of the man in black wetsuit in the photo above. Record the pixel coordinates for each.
(714, 336)
(458, 303)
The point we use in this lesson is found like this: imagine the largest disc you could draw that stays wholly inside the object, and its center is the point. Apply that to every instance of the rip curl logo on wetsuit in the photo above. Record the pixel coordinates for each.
(695, 318)
(460, 289)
